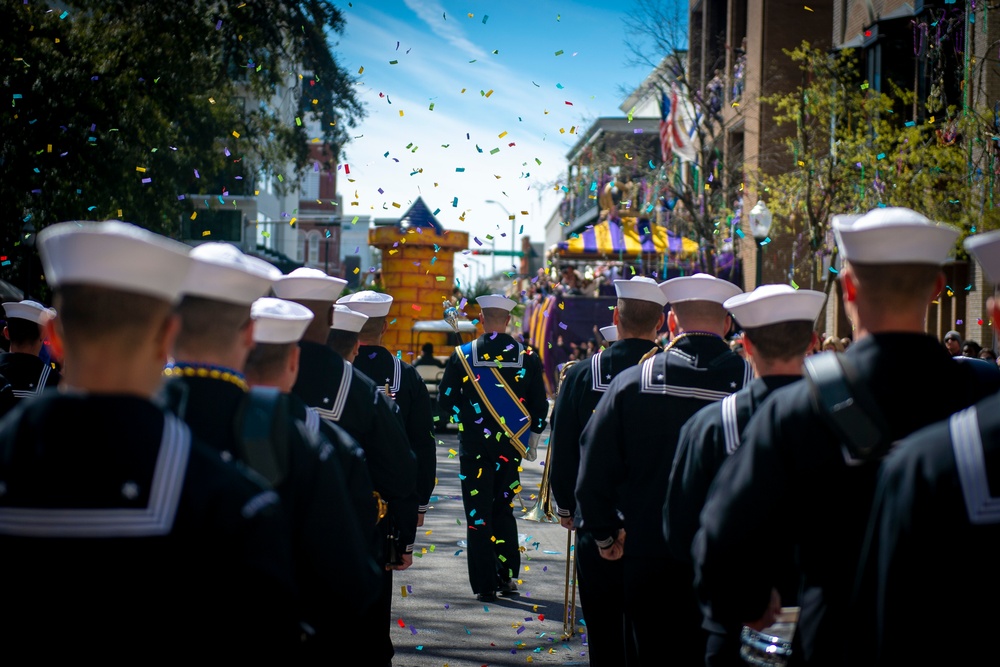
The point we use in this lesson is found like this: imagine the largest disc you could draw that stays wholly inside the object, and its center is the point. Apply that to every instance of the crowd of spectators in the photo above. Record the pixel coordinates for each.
(593, 281)
(959, 347)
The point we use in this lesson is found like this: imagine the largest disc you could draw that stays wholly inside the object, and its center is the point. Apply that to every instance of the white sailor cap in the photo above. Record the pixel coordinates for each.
(771, 304)
(894, 235)
(222, 272)
(372, 304)
(986, 249)
(278, 320)
(28, 310)
(640, 288)
(496, 301)
(114, 254)
(610, 332)
(305, 284)
(699, 287)
(345, 319)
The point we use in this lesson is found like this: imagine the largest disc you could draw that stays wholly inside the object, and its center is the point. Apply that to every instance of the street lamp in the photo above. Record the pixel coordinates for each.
(760, 225)
(512, 250)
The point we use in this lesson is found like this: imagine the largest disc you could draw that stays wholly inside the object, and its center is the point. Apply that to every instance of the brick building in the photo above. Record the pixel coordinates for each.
(318, 217)
(741, 42)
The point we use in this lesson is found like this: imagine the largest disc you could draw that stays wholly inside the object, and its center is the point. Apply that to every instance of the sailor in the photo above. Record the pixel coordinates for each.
(397, 530)
(274, 362)
(206, 387)
(120, 531)
(778, 331)
(930, 559)
(401, 382)
(803, 478)
(340, 393)
(628, 447)
(496, 390)
(609, 333)
(638, 316)
(22, 365)
(329, 383)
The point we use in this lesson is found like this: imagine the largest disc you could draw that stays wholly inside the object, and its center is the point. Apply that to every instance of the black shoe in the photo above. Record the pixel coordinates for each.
(508, 587)
(487, 597)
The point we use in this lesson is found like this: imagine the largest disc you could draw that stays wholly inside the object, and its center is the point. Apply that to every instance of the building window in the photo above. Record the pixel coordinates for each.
(300, 246)
(265, 233)
(310, 185)
(313, 238)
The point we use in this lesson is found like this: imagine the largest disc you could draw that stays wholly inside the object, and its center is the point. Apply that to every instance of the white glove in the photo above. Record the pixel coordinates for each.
(532, 453)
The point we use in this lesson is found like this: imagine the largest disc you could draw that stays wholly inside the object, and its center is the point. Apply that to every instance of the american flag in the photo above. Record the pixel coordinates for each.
(665, 150)
(676, 129)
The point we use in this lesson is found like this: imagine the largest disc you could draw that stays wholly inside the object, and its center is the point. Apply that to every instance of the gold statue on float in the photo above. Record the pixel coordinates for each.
(618, 199)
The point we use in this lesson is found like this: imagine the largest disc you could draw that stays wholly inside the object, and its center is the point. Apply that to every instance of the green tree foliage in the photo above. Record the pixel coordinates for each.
(120, 108)
(854, 149)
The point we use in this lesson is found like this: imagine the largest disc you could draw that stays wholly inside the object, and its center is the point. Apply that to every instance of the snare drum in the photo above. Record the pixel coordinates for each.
(772, 646)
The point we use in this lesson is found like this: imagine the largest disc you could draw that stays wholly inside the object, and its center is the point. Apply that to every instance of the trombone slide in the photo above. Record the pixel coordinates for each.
(569, 592)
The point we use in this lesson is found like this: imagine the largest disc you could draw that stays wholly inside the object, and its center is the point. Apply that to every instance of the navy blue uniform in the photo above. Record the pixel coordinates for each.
(929, 571)
(792, 485)
(706, 440)
(408, 391)
(27, 374)
(121, 534)
(488, 462)
(330, 568)
(629, 447)
(360, 489)
(600, 580)
(341, 393)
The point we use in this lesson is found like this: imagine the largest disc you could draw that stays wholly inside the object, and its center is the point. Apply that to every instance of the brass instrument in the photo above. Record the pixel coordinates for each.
(569, 605)
(542, 512)
(772, 646)
(562, 373)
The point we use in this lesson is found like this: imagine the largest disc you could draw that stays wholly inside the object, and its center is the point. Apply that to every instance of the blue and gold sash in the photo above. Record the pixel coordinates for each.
(500, 400)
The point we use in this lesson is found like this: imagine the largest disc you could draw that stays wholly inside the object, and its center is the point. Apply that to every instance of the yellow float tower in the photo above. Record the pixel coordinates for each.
(418, 271)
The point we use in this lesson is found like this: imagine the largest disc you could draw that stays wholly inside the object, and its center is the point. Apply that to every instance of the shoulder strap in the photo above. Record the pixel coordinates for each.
(847, 407)
(501, 402)
(262, 433)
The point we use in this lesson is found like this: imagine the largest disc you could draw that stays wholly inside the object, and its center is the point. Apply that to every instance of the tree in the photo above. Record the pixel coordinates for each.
(854, 149)
(121, 108)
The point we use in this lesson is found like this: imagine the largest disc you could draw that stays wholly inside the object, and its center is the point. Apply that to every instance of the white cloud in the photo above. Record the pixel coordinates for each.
(431, 56)
(433, 15)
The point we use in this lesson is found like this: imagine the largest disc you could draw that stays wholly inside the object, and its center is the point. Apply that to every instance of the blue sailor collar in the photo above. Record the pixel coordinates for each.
(982, 507)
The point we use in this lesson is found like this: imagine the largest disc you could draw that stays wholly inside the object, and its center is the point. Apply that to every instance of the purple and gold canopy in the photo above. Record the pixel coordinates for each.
(626, 239)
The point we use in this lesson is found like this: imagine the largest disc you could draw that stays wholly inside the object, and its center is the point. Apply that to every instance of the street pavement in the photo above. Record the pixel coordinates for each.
(436, 619)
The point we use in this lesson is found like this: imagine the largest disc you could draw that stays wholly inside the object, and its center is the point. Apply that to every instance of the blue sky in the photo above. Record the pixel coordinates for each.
(530, 70)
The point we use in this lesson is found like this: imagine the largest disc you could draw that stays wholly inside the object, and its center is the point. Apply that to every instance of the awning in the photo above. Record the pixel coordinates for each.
(629, 239)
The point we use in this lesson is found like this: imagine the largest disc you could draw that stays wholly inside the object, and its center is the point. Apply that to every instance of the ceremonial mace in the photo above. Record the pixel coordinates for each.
(451, 317)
